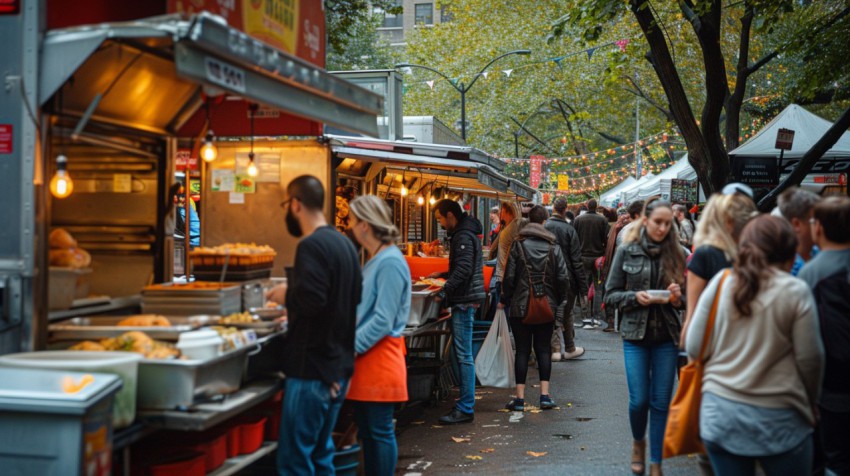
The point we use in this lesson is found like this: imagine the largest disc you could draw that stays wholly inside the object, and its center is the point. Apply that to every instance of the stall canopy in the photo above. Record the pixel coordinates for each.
(635, 185)
(808, 129)
(150, 75)
(611, 198)
(662, 184)
(461, 169)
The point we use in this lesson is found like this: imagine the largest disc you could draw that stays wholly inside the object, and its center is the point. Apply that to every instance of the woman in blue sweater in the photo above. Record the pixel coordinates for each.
(380, 374)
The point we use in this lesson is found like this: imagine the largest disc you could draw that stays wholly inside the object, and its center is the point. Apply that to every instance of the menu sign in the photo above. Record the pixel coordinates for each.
(756, 171)
(683, 191)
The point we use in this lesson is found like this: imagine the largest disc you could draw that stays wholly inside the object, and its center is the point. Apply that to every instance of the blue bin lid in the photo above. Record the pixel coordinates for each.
(43, 391)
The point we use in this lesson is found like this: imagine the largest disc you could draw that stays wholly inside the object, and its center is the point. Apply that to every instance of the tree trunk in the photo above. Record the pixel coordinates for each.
(736, 98)
(808, 161)
(699, 153)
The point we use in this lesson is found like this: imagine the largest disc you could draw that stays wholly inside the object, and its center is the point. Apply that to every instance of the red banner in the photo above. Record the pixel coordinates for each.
(535, 170)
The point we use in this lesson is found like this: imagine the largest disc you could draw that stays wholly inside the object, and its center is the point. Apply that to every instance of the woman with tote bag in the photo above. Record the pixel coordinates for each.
(764, 360)
(534, 287)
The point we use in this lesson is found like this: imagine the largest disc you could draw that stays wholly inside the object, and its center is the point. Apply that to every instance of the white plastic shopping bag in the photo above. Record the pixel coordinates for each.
(494, 365)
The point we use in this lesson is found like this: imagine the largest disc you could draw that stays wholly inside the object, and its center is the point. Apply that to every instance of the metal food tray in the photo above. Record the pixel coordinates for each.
(181, 290)
(423, 308)
(102, 327)
(179, 384)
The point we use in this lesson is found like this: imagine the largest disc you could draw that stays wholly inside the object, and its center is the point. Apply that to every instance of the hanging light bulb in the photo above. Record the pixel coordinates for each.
(252, 167)
(432, 200)
(209, 151)
(403, 190)
(61, 184)
(420, 200)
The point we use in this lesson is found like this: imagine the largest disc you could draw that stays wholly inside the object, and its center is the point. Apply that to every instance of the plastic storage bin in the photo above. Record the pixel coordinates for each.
(122, 364)
(52, 423)
(65, 285)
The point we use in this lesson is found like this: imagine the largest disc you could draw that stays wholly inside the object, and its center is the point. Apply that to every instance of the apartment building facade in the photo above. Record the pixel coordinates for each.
(416, 14)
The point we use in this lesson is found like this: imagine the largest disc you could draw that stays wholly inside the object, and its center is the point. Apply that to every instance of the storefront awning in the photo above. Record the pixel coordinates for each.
(149, 74)
(464, 176)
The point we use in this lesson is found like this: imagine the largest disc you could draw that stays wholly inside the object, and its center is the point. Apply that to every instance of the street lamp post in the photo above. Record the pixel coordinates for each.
(461, 87)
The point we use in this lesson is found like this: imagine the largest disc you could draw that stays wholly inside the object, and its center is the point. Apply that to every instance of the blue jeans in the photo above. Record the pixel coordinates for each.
(793, 462)
(650, 372)
(462, 342)
(305, 446)
(377, 435)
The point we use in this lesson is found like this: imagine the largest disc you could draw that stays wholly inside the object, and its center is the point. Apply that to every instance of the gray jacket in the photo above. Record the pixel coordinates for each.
(631, 272)
(537, 243)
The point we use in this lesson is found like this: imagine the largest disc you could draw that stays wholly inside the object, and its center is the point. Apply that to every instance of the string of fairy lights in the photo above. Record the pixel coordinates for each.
(580, 175)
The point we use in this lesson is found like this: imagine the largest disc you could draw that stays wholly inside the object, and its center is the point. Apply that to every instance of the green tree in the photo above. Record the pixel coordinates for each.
(815, 33)
(353, 41)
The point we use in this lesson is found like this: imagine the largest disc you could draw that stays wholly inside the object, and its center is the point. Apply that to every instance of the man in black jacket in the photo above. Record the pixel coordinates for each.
(321, 301)
(592, 229)
(464, 292)
(567, 239)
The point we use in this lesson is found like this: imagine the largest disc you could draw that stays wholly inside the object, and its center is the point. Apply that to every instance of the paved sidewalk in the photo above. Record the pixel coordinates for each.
(588, 435)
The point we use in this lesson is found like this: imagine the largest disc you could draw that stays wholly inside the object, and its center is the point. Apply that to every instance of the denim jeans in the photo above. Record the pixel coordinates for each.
(305, 446)
(650, 372)
(462, 341)
(794, 462)
(377, 435)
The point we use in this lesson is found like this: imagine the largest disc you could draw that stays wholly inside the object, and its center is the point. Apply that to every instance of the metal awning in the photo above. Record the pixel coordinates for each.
(443, 151)
(149, 74)
(459, 175)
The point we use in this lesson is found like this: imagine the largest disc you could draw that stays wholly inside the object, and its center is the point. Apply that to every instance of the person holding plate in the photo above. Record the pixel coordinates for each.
(645, 284)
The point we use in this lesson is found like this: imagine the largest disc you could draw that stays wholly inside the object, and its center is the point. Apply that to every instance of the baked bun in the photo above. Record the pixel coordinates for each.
(69, 258)
(60, 238)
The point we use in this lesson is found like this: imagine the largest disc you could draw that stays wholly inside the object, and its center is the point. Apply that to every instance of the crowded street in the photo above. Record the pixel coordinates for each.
(587, 434)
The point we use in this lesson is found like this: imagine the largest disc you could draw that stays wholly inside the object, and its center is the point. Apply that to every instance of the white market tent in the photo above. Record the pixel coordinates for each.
(635, 185)
(660, 184)
(807, 127)
(611, 198)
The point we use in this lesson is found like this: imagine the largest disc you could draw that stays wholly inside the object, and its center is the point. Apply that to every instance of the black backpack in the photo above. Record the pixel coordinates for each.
(832, 295)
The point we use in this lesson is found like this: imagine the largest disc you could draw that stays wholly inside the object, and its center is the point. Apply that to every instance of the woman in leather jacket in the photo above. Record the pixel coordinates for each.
(544, 259)
(650, 258)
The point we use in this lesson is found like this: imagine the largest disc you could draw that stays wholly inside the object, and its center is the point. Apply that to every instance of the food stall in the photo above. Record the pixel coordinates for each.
(108, 105)
(413, 177)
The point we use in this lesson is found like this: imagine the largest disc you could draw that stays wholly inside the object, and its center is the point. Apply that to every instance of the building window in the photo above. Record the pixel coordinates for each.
(424, 13)
(391, 20)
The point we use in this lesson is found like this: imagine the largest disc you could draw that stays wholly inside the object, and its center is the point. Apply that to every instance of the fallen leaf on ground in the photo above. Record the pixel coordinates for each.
(503, 410)
(569, 404)
(457, 439)
(535, 410)
(478, 397)
(417, 422)
(436, 426)
(488, 450)
(583, 448)
(535, 386)
(536, 455)
(474, 457)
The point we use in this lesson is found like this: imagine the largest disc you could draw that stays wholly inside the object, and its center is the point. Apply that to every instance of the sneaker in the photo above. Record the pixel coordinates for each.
(578, 352)
(546, 402)
(587, 324)
(516, 405)
(556, 356)
(456, 416)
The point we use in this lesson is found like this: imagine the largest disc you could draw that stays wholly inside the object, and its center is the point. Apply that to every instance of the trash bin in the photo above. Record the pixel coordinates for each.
(56, 422)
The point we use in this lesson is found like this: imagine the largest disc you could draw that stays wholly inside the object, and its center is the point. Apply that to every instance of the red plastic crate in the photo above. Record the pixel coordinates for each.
(192, 466)
(233, 434)
(214, 450)
(251, 435)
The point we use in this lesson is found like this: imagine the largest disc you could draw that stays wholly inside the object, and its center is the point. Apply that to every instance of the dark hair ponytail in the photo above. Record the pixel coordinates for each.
(765, 241)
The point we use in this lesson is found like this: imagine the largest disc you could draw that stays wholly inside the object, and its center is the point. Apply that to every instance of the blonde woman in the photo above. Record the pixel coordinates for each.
(715, 244)
(380, 374)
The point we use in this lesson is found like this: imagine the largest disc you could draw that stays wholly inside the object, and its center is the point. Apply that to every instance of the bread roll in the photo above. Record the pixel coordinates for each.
(69, 258)
(60, 238)
(145, 320)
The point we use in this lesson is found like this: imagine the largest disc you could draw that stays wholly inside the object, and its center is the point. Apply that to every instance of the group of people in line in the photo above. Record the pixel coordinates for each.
(770, 380)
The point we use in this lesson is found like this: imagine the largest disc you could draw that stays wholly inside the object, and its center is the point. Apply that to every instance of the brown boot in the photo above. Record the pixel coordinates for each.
(655, 469)
(639, 457)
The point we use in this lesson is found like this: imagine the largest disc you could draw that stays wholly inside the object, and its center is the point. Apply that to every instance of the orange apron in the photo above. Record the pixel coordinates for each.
(380, 375)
